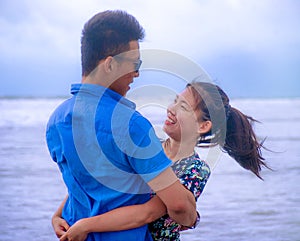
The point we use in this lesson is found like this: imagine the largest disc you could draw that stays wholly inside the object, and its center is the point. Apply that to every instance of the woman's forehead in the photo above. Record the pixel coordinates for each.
(187, 96)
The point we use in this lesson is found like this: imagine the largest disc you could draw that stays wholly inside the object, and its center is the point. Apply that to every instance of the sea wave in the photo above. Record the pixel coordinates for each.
(26, 112)
(280, 118)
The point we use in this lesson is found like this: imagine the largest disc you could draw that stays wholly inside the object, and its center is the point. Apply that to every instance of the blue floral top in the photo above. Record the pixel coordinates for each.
(193, 173)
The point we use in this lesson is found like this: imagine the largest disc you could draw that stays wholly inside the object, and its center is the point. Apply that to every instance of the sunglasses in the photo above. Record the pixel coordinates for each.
(137, 63)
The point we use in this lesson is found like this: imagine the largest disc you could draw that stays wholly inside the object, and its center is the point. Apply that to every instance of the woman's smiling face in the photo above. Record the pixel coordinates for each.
(182, 117)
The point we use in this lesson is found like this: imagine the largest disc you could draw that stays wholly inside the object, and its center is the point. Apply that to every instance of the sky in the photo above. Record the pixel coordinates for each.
(249, 48)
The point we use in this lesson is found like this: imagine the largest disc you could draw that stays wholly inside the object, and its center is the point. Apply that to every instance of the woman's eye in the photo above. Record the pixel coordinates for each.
(183, 107)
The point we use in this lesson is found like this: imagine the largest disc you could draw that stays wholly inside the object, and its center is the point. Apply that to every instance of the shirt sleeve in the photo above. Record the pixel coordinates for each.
(146, 156)
(195, 177)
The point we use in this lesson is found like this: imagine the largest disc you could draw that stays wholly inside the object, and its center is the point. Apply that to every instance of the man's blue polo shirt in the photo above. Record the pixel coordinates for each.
(106, 152)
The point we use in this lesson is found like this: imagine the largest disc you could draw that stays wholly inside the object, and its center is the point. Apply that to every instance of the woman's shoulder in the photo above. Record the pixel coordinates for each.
(195, 160)
(192, 165)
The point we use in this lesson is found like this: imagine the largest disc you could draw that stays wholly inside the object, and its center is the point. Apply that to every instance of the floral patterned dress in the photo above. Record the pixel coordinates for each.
(193, 173)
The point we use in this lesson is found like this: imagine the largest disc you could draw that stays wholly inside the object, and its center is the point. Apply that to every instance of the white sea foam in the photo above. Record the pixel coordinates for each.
(26, 112)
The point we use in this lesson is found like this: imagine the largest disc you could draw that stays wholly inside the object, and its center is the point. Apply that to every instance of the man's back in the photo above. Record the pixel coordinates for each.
(88, 137)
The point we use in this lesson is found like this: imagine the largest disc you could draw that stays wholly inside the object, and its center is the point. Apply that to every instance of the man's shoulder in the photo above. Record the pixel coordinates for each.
(63, 110)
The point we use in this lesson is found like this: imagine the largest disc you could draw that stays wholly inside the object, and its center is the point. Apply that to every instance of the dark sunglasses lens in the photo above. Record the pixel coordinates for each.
(138, 65)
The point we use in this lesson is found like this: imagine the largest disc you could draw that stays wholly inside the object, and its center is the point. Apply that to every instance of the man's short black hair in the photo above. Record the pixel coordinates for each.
(106, 34)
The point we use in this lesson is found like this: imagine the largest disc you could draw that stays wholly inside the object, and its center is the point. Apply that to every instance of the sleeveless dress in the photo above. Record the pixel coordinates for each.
(193, 173)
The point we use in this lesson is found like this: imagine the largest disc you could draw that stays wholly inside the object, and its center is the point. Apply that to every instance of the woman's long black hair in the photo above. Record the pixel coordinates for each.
(231, 129)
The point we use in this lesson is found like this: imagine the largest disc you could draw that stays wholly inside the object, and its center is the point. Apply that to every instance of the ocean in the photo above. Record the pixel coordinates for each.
(235, 205)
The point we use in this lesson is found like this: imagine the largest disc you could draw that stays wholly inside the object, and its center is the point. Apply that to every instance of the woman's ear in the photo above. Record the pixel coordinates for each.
(204, 127)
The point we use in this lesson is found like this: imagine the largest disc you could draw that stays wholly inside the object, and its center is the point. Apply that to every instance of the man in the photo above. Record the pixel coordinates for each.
(107, 152)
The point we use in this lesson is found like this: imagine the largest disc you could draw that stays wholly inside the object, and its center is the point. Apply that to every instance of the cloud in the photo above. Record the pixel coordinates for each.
(190, 26)
(47, 33)
(208, 27)
(41, 32)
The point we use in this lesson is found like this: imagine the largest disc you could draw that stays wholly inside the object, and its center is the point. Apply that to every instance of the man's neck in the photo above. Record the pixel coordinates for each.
(90, 80)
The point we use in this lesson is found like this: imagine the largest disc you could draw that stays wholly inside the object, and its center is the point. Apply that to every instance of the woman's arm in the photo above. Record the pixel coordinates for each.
(122, 218)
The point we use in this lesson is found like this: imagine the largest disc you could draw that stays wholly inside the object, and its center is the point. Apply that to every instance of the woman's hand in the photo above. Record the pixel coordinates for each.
(76, 232)
(59, 225)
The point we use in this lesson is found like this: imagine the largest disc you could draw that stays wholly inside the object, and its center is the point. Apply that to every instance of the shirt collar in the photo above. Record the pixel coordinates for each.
(99, 91)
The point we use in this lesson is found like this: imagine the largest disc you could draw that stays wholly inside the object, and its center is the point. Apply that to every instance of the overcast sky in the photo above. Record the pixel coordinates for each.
(250, 48)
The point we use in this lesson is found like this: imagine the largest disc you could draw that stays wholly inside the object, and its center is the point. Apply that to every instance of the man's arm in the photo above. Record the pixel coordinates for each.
(180, 202)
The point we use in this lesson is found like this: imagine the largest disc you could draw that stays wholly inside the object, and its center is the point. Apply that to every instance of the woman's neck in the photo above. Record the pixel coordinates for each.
(178, 150)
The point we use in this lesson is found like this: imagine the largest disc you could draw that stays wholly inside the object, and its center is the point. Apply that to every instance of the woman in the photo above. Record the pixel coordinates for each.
(201, 113)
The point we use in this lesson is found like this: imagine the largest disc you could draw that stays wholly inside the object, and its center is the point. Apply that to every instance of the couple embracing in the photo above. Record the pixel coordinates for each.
(123, 182)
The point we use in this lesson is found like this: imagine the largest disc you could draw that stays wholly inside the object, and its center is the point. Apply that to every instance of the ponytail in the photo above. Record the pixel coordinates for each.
(241, 142)
(232, 131)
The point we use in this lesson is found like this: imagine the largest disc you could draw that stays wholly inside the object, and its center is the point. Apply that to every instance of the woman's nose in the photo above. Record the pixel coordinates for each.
(171, 109)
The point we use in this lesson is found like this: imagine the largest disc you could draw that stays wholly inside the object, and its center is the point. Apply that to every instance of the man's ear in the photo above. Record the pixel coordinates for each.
(108, 64)
(204, 127)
